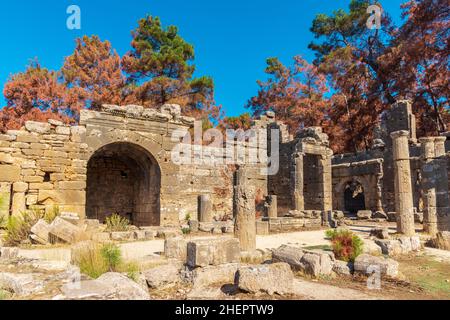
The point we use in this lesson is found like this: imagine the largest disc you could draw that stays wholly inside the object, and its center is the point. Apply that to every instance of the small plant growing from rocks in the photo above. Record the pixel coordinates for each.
(18, 228)
(95, 260)
(112, 255)
(346, 245)
(117, 223)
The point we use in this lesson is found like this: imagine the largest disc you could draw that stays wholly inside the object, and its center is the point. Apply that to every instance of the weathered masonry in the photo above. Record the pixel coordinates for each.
(120, 160)
(376, 179)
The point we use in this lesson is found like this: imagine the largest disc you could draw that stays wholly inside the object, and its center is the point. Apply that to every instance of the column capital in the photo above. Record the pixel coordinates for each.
(398, 134)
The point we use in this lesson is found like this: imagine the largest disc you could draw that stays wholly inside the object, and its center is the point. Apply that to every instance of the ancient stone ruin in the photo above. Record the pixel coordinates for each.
(141, 165)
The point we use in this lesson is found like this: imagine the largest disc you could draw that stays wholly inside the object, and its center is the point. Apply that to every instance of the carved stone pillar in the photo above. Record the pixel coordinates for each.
(402, 183)
(245, 215)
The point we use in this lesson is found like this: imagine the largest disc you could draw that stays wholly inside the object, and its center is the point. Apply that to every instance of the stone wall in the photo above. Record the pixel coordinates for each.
(118, 160)
(44, 164)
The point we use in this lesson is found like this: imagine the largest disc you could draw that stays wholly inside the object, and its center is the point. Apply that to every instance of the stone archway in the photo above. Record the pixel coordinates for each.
(354, 197)
(125, 179)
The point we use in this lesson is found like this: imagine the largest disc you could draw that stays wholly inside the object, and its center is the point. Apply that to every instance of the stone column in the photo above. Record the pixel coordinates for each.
(205, 209)
(402, 183)
(272, 207)
(245, 220)
(428, 186)
(298, 197)
(435, 185)
(327, 184)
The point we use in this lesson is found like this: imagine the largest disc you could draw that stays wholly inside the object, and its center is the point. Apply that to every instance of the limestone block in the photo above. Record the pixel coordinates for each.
(205, 208)
(41, 232)
(342, 268)
(31, 199)
(18, 203)
(9, 173)
(214, 251)
(214, 275)
(262, 228)
(63, 130)
(41, 186)
(33, 179)
(72, 185)
(176, 248)
(65, 232)
(364, 214)
(20, 187)
(5, 199)
(38, 127)
(122, 236)
(366, 264)
(270, 278)
(66, 197)
(390, 247)
(6, 159)
(163, 276)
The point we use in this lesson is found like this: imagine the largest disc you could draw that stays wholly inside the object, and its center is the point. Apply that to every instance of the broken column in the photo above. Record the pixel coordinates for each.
(435, 185)
(245, 211)
(272, 207)
(205, 209)
(402, 182)
(299, 200)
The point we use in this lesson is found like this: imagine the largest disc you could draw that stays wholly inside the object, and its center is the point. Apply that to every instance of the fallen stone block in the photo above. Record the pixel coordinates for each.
(163, 276)
(289, 255)
(372, 248)
(364, 214)
(65, 232)
(390, 247)
(442, 240)
(110, 286)
(256, 257)
(380, 215)
(122, 236)
(367, 264)
(176, 248)
(342, 268)
(317, 263)
(213, 251)
(20, 284)
(7, 253)
(214, 275)
(41, 232)
(380, 233)
(270, 278)
(314, 263)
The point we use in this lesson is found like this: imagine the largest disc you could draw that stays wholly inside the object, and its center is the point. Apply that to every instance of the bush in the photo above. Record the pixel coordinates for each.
(95, 260)
(346, 245)
(90, 261)
(18, 228)
(112, 256)
(117, 223)
(186, 231)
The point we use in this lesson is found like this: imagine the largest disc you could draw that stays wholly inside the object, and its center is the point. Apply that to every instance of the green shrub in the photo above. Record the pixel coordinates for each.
(18, 228)
(188, 217)
(95, 260)
(112, 255)
(90, 261)
(186, 231)
(346, 245)
(51, 214)
(117, 223)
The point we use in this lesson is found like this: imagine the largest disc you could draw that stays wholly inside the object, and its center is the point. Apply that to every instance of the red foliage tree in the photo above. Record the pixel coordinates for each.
(296, 94)
(95, 68)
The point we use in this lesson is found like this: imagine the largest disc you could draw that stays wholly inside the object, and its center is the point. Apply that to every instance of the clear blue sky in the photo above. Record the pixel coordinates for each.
(232, 38)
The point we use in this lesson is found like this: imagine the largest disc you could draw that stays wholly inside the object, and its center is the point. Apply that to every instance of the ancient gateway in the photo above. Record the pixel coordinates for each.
(119, 160)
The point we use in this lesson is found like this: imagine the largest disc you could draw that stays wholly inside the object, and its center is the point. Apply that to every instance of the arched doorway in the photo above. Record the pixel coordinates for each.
(354, 198)
(125, 179)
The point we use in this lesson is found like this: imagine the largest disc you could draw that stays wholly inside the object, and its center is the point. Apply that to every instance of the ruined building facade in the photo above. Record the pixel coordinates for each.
(120, 160)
